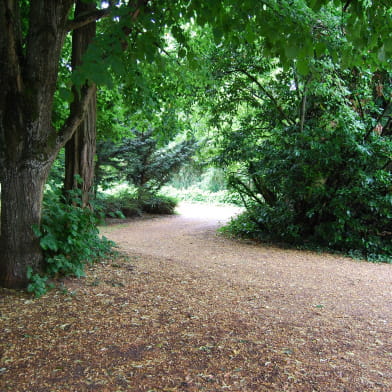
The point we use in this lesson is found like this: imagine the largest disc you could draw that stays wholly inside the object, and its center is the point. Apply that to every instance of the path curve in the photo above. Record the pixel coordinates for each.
(328, 319)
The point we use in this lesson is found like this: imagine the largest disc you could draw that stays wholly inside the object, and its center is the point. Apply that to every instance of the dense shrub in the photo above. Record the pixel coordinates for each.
(321, 190)
(310, 155)
(123, 204)
(128, 203)
(159, 204)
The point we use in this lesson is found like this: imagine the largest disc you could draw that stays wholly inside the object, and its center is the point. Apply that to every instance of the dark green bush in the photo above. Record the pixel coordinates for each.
(127, 204)
(325, 191)
(311, 156)
(159, 204)
(121, 205)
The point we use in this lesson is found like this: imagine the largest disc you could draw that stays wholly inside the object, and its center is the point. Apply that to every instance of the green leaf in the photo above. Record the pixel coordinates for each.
(36, 230)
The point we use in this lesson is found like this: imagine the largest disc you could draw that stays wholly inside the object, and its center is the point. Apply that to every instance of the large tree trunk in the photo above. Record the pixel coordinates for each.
(21, 198)
(80, 150)
(29, 143)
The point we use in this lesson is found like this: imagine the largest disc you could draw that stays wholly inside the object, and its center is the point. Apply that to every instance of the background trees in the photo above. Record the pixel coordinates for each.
(138, 161)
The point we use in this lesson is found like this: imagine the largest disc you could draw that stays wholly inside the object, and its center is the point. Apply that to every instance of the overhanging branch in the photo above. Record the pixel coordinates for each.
(87, 18)
(267, 93)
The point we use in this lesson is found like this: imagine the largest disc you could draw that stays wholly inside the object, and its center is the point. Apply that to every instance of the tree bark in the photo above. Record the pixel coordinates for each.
(28, 75)
(22, 190)
(29, 61)
(80, 150)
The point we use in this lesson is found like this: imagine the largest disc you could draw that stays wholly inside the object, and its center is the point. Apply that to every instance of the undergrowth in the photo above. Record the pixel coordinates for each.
(127, 203)
(245, 226)
(69, 238)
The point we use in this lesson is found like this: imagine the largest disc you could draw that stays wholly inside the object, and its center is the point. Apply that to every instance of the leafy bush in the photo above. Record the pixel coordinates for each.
(159, 204)
(69, 238)
(310, 156)
(127, 203)
(323, 191)
(123, 204)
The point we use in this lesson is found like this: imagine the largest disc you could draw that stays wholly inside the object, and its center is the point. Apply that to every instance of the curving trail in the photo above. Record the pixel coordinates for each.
(328, 318)
(191, 311)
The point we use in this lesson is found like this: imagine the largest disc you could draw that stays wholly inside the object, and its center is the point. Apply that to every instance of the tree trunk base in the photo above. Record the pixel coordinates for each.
(21, 201)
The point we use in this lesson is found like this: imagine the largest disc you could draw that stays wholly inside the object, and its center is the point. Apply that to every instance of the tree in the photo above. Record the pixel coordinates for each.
(80, 149)
(32, 35)
(28, 75)
(308, 154)
(140, 162)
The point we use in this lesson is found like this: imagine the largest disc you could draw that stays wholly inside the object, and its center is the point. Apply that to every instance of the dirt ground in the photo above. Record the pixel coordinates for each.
(190, 310)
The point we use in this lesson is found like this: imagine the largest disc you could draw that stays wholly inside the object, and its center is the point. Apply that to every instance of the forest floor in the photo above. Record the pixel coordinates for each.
(189, 310)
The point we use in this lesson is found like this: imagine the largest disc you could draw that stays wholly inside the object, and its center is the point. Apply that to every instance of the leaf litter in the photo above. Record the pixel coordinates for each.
(184, 309)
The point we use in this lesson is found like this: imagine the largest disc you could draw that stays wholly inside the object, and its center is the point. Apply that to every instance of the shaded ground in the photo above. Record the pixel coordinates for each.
(189, 310)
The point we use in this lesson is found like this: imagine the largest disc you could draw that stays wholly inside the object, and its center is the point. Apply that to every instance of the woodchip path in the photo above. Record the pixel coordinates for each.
(190, 310)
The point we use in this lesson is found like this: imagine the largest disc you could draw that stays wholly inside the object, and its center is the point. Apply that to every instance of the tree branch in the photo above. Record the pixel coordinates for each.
(379, 118)
(10, 46)
(76, 117)
(265, 91)
(387, 128)
(87, 18)
(303, 105)
(236, 183)
(346, 5)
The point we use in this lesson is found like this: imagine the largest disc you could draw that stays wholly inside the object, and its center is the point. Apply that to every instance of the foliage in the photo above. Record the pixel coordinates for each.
(196, 194)
(310, 155)
(131, 36)
(122, 204)
(126, 203)
(38, 284)
(200, 176)
(159, 204)
(69, 238)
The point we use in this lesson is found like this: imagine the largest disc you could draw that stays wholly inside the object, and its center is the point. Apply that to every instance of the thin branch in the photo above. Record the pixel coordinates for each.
(387, 127)
(361, 111)
(378, 120)
(346, 5)
(296, 81)
(163, 50)
(237, 183)
(303, 105)
(87, 18)
(269, 95)
(388, 166)
(75, 119)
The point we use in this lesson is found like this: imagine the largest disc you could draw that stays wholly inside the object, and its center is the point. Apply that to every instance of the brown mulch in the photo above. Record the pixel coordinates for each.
(190, 310)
